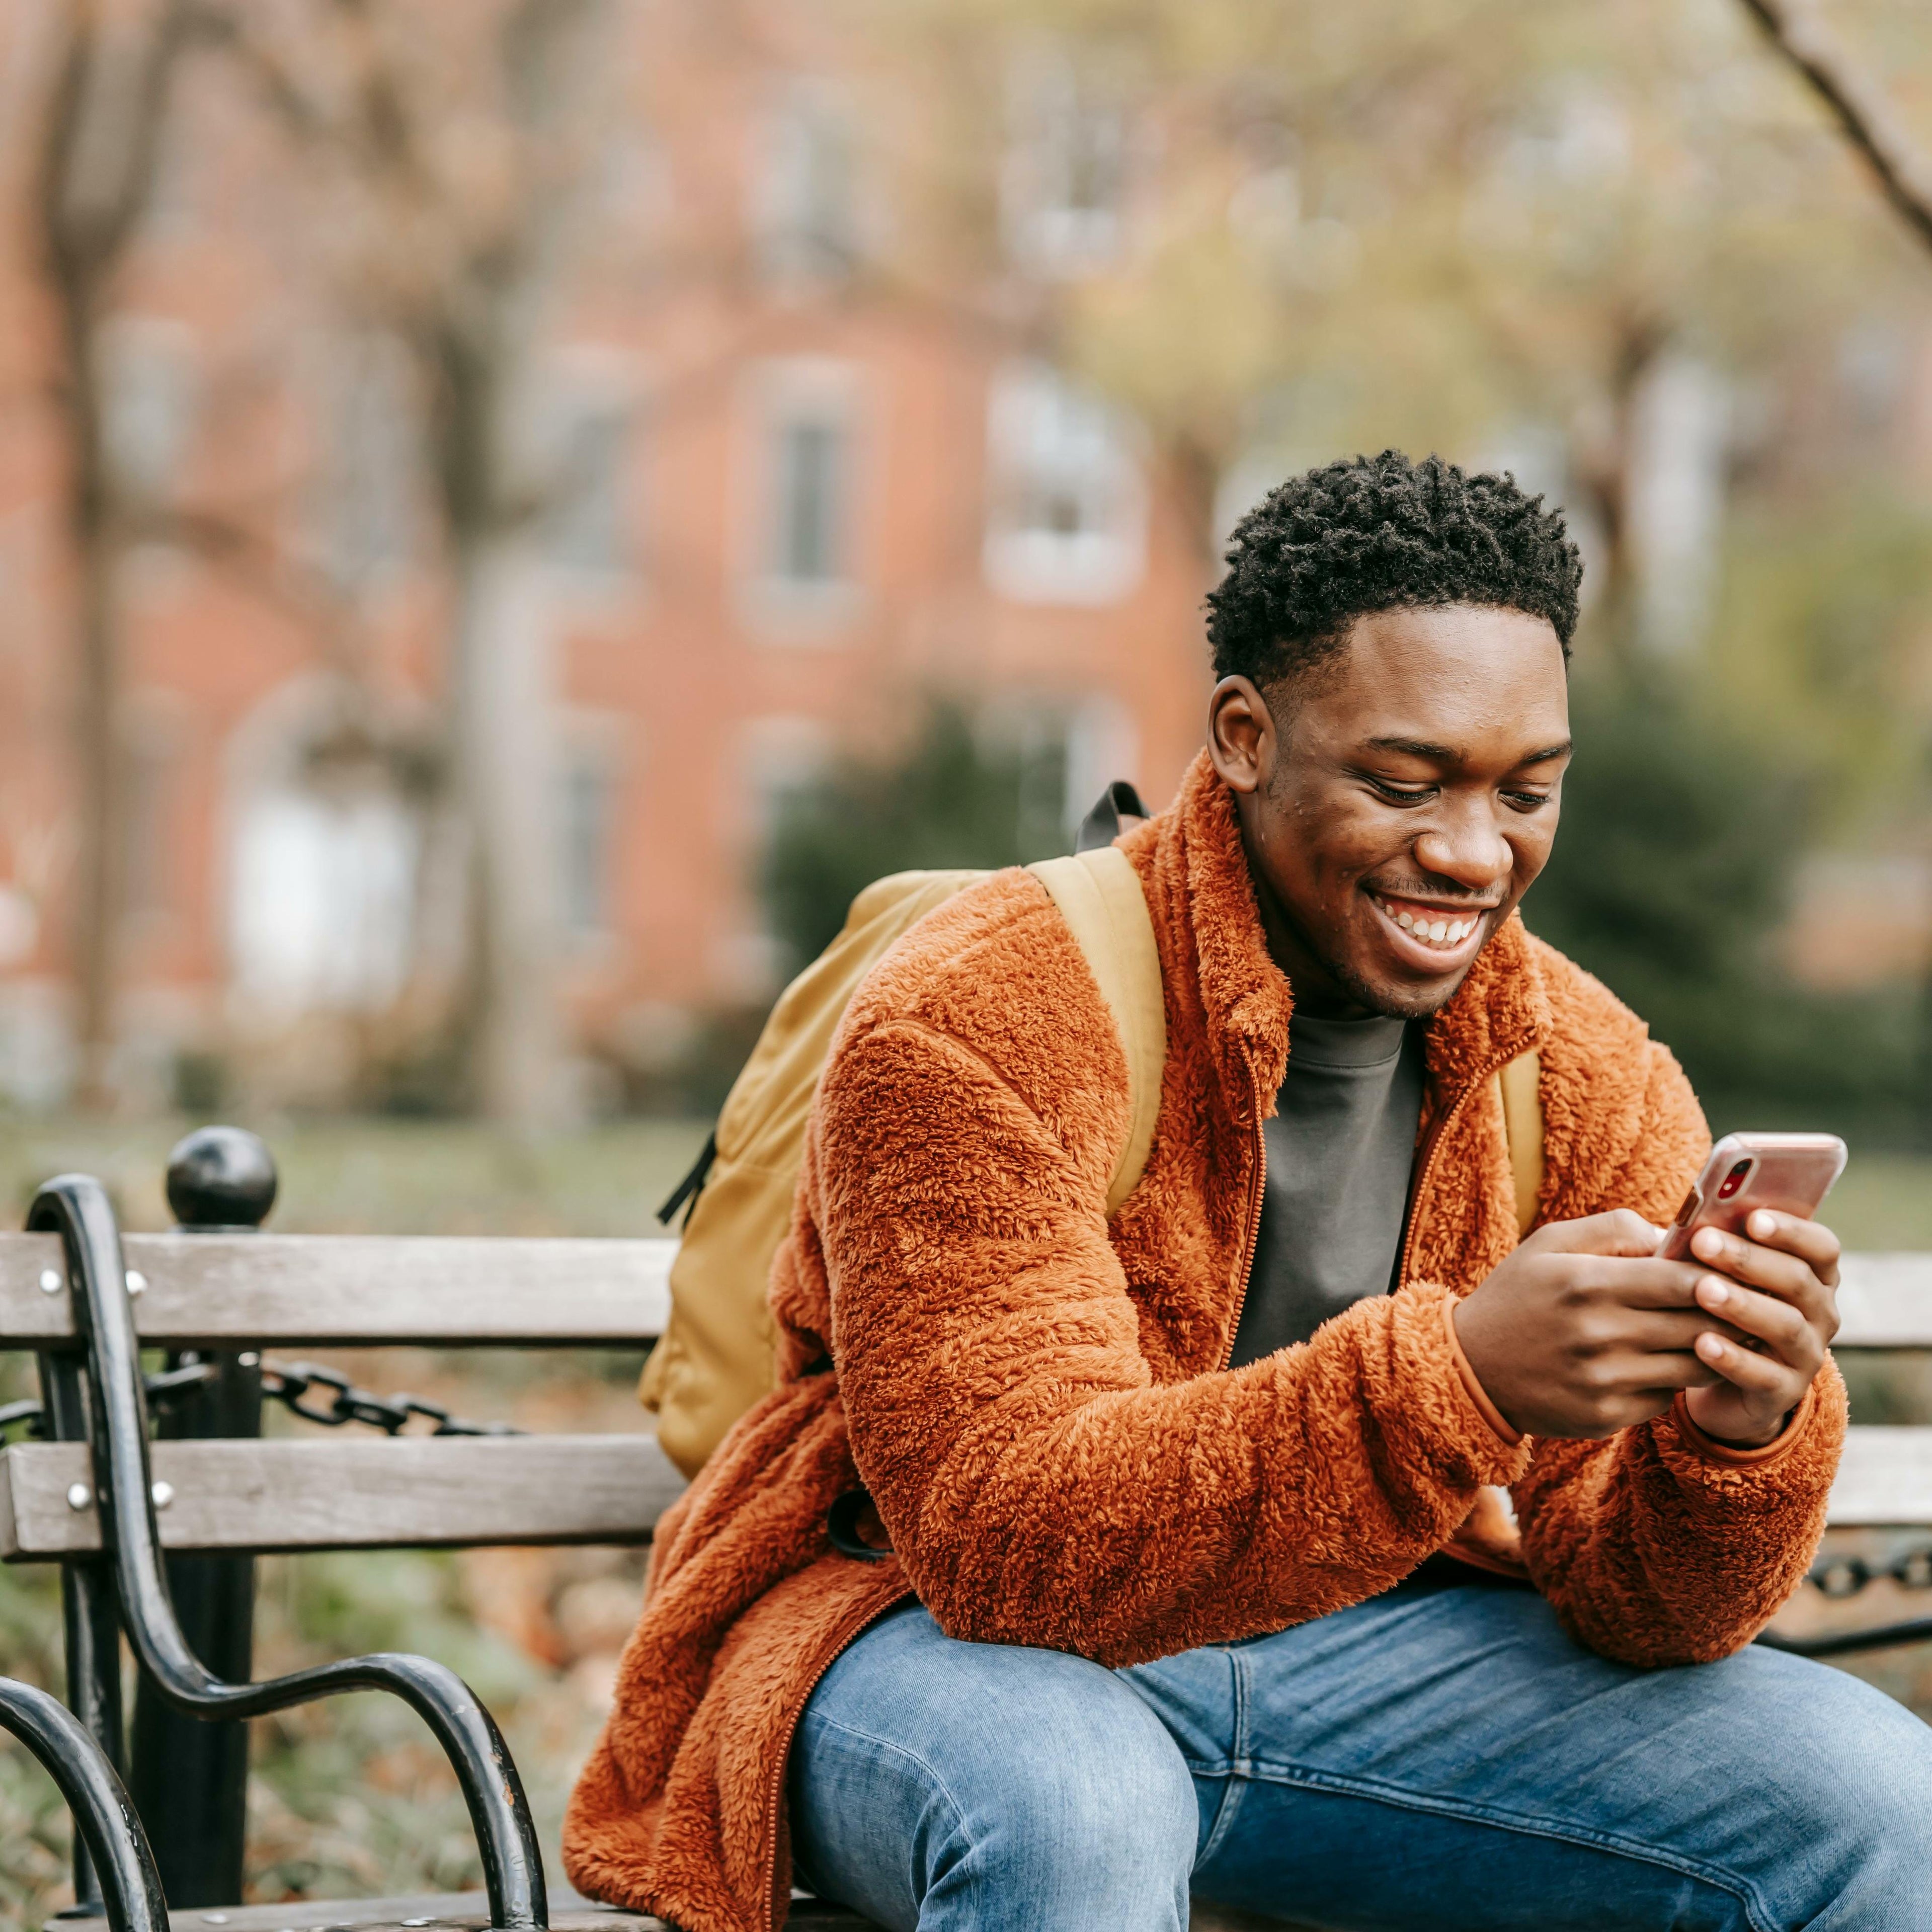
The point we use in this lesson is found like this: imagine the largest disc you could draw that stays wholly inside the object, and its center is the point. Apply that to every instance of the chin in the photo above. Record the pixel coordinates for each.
(1397, 999)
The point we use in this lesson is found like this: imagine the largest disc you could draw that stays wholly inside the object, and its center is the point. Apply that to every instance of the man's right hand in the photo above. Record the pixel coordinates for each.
(1583, 1331)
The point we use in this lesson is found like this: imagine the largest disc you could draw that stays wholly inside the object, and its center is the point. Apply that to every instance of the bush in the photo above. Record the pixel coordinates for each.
(952, 799)
(1669, 882)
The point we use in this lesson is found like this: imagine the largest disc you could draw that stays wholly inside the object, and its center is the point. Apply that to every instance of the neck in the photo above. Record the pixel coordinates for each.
(1316, 991)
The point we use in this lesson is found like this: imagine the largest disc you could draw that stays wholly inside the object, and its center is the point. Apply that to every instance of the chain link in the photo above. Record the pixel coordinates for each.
(290, 1383)
(1841, 1576)
(296, 1385)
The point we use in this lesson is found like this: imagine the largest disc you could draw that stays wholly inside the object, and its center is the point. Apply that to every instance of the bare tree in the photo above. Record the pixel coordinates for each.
(459, 247)
(1856, 102)
(103, 126)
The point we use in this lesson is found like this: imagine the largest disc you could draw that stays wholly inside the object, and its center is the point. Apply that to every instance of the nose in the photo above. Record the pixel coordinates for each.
(1467, 847)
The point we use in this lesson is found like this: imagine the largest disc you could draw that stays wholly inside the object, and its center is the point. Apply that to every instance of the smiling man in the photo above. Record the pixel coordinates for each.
(1197, 1579)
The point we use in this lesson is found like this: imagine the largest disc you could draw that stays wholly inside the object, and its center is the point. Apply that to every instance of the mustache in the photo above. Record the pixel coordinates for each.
(1423, 889)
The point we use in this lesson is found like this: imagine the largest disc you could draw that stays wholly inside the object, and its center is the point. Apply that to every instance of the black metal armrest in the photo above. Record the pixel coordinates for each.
(76, 1207)
(124, 1866)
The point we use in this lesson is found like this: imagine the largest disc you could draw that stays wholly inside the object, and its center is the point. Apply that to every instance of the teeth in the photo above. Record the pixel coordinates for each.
(1438, 932)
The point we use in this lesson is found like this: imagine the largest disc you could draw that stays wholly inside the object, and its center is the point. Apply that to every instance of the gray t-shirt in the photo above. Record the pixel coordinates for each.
(1340, 1148)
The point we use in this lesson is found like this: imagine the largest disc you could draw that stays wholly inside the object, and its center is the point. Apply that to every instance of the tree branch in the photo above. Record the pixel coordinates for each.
(1904, 169)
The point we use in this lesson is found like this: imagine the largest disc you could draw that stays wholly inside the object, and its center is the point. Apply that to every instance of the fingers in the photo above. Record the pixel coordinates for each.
(1620, 1232)
(1781, 1327)
(1777, 1271)
(1669, 1331)
(1635, 1282)
(1811, 1241)
(1762, 1376)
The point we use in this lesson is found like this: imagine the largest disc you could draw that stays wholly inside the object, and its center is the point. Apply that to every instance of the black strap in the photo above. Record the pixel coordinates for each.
(1102, 825)
(841, 1522)
(692, 1185)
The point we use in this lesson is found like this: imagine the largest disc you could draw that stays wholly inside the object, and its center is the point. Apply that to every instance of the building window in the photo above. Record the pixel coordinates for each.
(371, 510)
(1063, 187)
(587, 525)
(804, 209)
(148, 766)
(1067, 520)
(151, 399)
(808, 527)
(584, 825)
(804, 452)
(321, 911)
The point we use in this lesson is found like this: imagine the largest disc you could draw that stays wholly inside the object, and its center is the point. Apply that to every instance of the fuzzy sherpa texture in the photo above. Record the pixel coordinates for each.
(1035, 1395)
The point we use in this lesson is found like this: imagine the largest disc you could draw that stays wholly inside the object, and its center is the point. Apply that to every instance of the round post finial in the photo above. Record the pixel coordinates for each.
(221, 1177)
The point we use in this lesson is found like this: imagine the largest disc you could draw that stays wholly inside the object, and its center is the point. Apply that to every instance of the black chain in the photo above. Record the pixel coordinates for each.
(1840, 1576)
(288, 1383)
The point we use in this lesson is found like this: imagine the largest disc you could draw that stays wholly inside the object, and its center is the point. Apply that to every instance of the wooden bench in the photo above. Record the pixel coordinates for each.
(212, 1495)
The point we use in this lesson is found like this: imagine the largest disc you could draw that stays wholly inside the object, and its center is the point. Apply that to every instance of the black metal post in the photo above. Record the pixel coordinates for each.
(104, 1820)
(77, 1207)
(190, 1777)
(91, 1627)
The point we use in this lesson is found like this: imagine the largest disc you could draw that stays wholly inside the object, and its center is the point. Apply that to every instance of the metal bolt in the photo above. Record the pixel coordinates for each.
(51, 1282)
(249, 1359)
(163, 1494)
(137, 1283)
(78, 1495)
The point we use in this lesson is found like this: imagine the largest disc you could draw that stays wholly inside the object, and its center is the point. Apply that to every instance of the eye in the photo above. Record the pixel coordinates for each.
(1527, 801)
(1402, 794)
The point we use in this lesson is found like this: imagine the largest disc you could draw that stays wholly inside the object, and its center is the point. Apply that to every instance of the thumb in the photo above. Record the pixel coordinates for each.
(1620, 1232)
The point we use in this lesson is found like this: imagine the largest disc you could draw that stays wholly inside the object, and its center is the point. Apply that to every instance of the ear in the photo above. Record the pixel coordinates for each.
(1242, 739)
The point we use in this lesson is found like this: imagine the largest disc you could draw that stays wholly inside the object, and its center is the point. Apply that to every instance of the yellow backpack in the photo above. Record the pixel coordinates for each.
(718, 1353)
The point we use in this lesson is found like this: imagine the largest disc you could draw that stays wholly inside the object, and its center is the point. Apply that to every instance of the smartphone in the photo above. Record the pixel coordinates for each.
(1792, 1173)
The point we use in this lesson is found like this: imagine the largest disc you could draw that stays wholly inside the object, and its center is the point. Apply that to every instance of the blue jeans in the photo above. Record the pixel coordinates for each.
(1437, 1758)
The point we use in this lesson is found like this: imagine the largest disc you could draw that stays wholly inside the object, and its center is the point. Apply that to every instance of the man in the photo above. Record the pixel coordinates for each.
(1171, 1488)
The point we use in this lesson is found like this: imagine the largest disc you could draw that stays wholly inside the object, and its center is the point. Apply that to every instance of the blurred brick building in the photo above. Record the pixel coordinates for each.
(799, 499)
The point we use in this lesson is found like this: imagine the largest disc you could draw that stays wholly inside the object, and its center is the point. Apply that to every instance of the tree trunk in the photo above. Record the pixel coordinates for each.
(501, 711)
(102, 843)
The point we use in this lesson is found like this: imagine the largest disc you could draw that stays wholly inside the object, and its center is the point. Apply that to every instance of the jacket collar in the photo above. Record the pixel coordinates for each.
(1499, 1011)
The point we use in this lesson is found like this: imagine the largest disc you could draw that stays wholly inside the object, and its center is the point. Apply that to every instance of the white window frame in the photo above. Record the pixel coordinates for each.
(782, 394)
(1045, 434)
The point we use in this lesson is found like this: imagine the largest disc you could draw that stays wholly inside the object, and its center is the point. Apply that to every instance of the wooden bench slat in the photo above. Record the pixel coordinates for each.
(366, 1492)
(373, 1492)
(1884, 1479)
(344, 1290)
(1884, 1301)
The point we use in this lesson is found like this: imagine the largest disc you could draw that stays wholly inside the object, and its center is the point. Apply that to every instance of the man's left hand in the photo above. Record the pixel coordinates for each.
(1778, 1285)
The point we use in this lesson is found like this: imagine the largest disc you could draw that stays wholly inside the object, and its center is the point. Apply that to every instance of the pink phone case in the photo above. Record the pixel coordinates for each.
(1792, 1173)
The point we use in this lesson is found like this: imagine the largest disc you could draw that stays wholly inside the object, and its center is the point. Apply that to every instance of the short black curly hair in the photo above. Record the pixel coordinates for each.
(1379, 533)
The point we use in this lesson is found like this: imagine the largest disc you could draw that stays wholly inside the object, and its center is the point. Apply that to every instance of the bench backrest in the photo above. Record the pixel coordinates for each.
(246, 1290)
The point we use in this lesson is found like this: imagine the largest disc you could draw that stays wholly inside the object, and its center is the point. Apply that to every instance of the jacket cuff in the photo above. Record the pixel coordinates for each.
(1780, 1446)
(1471, 1387)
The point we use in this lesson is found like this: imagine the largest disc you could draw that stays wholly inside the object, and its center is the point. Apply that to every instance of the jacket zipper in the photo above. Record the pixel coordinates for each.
(1252, 1233)
(1426, 1167)
(849, 1634)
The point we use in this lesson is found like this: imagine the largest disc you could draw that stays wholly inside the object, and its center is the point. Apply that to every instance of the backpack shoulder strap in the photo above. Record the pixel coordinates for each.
(1522, 1130)
(1098, 895)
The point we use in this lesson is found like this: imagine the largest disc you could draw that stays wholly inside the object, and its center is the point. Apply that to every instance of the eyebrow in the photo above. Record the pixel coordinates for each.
(1446, 755)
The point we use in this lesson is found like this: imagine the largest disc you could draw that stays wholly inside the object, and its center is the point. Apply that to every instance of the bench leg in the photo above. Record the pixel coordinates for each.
(91, 1623)
(190, 1776)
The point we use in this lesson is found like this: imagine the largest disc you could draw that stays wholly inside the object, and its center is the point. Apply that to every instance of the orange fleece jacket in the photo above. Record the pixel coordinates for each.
(1036, 1396)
